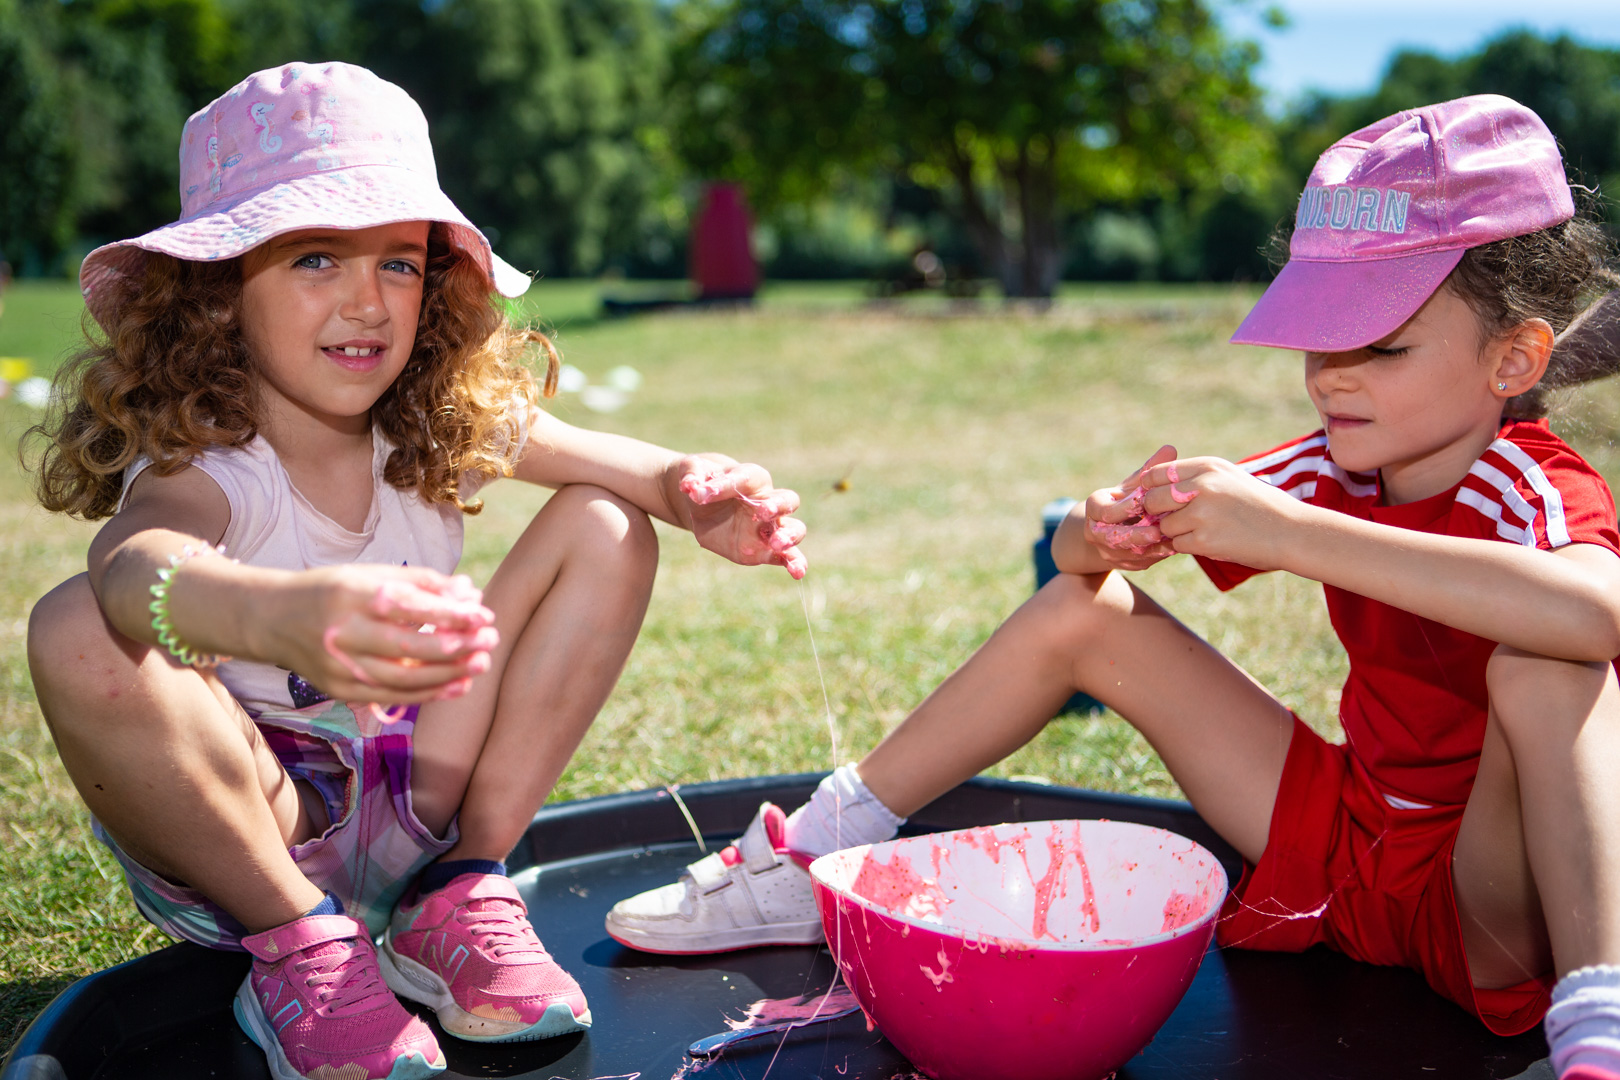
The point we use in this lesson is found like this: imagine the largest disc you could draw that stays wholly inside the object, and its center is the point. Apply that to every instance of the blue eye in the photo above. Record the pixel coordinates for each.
(312, 261)
(401, 266)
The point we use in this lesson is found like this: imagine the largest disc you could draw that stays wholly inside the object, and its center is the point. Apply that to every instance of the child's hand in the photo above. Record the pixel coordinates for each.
(1208, 506)
(736, 512)
(1120, 528)
(391, 635)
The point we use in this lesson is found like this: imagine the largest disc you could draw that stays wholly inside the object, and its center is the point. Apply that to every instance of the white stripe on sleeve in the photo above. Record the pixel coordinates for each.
(1357, 489)
(1279, 467)
(1507, 530)
(1551, 501)
(1277, 457)
(1503, 483)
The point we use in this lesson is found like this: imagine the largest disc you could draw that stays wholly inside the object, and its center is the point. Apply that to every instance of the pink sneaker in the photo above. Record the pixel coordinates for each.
(316, 1004)
(468, 952)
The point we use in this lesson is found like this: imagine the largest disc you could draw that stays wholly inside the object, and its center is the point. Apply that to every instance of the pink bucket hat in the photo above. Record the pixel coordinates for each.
(1389, 210)
(300, 147)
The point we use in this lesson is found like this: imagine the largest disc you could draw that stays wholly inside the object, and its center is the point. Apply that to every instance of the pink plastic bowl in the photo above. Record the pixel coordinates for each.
(1048, 950)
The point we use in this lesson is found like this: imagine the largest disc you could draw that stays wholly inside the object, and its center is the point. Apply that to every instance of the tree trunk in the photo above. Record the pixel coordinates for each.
(1027, 265)
(982, 229)
(1042, 243)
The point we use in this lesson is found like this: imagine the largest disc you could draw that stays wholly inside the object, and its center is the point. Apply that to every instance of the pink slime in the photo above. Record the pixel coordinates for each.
(1119, 536)
(768, 1011)
(1182, 497)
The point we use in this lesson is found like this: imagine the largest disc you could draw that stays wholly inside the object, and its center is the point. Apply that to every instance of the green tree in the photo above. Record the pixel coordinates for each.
(39, 165)
(93, 108)
(1022, 112)
(270, 33)
(540, 112)
(543, 111)
(126, 116)
(197, 39)
(1574, 88)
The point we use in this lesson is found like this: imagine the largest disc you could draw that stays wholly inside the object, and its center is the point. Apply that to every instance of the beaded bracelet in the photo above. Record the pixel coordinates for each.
(160, 610)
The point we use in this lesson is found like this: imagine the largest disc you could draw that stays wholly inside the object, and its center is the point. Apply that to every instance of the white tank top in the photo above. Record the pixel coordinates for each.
(273, 525)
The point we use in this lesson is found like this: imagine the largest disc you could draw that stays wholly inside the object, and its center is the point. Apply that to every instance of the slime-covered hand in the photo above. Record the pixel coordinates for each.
(392, 635)
(1137, 532)
(1119, 524)
(1237, 517)
(737, 512)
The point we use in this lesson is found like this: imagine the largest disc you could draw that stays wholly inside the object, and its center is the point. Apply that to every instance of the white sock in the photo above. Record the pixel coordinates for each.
(842, 813)
(1583, 1024)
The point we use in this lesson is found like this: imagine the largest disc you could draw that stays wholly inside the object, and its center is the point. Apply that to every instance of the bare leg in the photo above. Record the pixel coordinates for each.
(568, 601)
(1537, 861)
(169, 763)
(1222, 735)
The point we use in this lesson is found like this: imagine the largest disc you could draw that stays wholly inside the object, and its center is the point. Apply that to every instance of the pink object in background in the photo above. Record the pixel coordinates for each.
(722, 257)
(1049, 950)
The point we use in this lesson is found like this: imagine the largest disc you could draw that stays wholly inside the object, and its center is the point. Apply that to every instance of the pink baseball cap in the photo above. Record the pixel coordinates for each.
(1389, 210)
(303, 146)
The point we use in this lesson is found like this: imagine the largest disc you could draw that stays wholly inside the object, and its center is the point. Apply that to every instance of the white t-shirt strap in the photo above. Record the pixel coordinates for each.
(225, 478)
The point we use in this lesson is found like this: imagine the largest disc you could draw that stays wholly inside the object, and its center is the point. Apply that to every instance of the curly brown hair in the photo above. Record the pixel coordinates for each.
(171, 376)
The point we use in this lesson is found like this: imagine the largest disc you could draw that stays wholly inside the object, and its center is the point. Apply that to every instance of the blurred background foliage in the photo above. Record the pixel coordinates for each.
(1022, 141)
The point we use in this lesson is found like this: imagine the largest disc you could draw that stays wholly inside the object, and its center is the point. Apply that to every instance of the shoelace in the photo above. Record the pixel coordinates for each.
(500, 926)
(343, 977)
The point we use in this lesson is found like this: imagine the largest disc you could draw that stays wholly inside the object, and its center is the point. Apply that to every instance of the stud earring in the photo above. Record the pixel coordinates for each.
(1501, 386)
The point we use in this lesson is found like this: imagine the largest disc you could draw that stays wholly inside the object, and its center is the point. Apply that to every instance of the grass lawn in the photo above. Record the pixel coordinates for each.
(952, 427)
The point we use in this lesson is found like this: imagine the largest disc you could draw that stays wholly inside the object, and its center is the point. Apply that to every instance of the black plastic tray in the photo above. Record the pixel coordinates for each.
(1248, 1015)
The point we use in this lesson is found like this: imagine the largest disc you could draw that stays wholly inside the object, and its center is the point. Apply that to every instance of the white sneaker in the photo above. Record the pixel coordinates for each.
(754, 892)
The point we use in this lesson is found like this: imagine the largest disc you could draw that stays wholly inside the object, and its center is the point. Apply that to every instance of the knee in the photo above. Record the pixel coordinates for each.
(73, 652)
(1072, 613)
(65, 628)
(610, 530)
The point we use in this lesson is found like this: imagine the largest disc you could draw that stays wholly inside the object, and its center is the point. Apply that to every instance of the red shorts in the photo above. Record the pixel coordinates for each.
(1344, 868)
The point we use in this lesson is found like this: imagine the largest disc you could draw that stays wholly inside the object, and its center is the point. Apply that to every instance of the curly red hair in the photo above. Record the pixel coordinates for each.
(171, 376)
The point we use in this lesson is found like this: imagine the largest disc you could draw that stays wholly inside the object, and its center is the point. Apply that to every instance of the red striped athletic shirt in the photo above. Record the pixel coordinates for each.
(1413, 708)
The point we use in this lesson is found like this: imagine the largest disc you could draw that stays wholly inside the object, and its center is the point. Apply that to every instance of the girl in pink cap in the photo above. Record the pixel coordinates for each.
(300, 388)
(1470, 826)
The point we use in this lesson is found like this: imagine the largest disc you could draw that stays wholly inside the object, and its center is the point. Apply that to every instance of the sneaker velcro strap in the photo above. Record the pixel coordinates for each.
(708, 871)
(758, 853)
(302, 934)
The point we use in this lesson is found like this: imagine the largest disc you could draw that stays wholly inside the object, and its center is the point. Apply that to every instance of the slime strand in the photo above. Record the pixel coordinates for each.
(329, 639)
(1284, 914)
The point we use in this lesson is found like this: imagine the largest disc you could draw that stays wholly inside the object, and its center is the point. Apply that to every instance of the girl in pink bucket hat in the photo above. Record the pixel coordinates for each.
(1470, 826)
(295, 728)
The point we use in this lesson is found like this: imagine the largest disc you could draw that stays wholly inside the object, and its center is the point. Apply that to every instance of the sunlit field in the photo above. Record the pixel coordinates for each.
(924, 438)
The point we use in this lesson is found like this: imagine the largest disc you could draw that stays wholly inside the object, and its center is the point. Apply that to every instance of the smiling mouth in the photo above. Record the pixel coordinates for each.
(351, 350)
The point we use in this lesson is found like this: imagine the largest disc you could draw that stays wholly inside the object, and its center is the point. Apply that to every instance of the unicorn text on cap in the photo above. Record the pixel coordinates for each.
(1358, 209)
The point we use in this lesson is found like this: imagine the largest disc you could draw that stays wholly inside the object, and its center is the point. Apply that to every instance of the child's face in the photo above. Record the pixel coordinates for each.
(1417, 406)
(330, 317)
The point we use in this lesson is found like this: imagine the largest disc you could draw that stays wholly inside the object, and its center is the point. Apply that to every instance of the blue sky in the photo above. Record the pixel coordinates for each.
(1343, 45)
